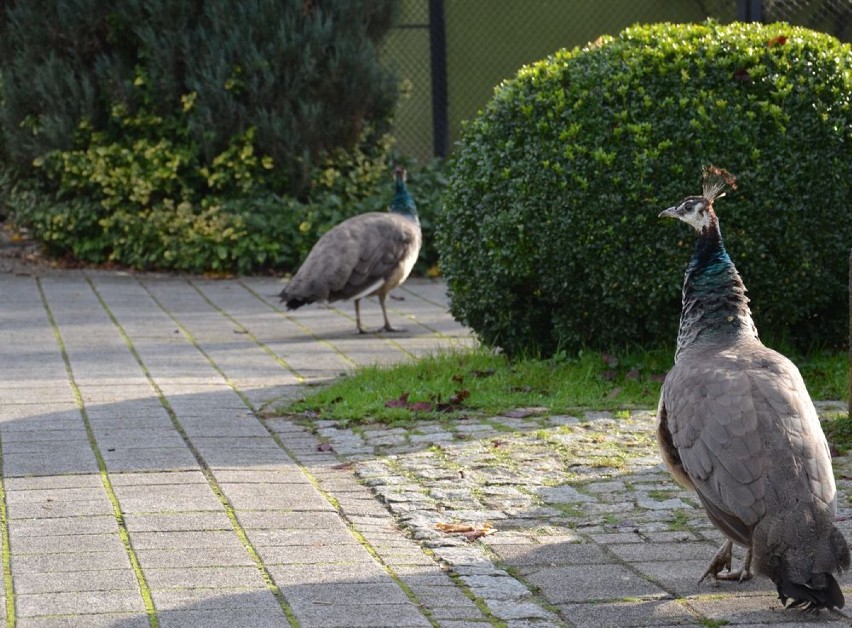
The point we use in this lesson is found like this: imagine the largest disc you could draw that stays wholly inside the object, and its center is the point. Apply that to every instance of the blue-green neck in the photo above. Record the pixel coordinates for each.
(402, 202)
(715, 306)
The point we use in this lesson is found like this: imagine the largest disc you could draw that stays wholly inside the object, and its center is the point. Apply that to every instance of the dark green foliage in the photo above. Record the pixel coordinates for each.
(304, 75)
(255, 232)
(194, 136)
(550, 237)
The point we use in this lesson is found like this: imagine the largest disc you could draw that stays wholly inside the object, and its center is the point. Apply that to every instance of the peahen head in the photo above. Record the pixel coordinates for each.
(402, 202)
(698, 210)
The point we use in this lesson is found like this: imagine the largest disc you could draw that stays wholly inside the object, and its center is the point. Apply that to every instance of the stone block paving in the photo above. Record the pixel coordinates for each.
(148, 481)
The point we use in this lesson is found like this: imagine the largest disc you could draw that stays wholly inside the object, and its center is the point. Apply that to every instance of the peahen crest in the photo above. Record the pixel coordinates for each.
(716, 182)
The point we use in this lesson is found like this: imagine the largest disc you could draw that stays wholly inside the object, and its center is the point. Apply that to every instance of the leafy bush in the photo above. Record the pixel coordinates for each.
(192, 136)
(305, 76)
(550, 238)
(251, 233)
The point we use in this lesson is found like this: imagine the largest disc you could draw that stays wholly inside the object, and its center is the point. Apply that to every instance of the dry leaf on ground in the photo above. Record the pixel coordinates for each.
(469, 531)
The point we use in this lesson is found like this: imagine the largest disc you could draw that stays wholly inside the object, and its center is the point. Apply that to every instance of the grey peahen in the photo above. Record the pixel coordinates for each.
(365, 255)
(736, 425)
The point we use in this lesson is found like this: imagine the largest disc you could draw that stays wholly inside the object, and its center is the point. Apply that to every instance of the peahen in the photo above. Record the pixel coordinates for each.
(365, 255)
(736, 425)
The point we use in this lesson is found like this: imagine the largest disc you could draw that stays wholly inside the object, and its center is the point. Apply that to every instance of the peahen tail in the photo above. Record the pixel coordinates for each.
(292, 302)
(821, 591)
(801, 561)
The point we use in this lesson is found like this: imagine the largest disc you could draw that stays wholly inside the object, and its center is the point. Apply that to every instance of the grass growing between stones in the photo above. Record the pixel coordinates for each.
(838, 431)
(481, 383)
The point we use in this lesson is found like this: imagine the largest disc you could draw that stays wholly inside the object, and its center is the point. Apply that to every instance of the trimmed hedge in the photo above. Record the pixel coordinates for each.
(549, 239)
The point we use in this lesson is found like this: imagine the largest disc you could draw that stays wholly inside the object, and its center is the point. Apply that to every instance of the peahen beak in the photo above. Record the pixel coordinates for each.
(668, 213)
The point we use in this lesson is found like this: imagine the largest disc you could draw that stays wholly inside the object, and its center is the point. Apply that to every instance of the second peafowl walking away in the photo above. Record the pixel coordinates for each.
(365, 255)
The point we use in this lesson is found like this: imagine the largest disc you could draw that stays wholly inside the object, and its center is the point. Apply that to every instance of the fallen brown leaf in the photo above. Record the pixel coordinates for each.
(402, 402)
(454, 402)
(469, 531)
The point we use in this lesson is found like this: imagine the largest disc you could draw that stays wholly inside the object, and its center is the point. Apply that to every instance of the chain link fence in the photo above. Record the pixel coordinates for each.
(450, 54)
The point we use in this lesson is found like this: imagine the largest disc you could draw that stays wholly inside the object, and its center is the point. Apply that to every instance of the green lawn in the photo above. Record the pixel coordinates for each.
(480, 382)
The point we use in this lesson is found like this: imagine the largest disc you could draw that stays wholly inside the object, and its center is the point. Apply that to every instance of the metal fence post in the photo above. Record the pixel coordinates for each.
(750, 10)
(438, 62)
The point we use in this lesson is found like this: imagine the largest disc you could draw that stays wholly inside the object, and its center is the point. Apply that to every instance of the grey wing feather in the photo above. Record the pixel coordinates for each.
(357, 255)
(714, 430)
(742, 425)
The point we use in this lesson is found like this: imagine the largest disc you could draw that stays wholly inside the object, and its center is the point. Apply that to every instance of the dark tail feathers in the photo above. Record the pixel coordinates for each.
(822, 591)
(293, 303)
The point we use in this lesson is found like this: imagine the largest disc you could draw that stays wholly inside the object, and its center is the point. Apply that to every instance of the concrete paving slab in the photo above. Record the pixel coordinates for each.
(76, 581)
(575, 583)
(102, 620)
(170, 498)
(364, 615)
(259, 599)
(217, 578)
(190, 557)
(174, 521)
(633, 613)
(49, 563)
(21, 529)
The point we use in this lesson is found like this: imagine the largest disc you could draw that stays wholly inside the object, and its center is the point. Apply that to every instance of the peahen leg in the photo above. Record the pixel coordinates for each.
(358, 316)
(740, 575)
(387, 326)
(722, 560)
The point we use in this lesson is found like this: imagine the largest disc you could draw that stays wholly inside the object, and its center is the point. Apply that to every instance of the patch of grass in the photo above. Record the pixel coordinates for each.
(478, 382)
(680, 521)
(493, 384)
(826, 372)
(838, 432)
(660, 495)
(608, 462)
(568, 510)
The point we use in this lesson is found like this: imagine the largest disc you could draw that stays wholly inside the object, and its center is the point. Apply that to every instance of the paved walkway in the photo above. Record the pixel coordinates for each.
(146, 480)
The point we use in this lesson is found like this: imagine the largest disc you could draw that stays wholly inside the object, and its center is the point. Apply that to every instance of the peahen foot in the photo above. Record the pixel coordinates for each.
(722, 560)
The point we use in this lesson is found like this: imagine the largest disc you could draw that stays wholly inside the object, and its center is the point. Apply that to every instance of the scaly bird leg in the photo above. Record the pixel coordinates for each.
(722, 560)
(740, 575)
(358, 316)
(387, 326)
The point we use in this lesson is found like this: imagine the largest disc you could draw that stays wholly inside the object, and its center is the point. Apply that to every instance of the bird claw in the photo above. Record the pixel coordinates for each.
(722, 560)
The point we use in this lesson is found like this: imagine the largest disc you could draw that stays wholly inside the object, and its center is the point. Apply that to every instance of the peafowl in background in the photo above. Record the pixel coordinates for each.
(736, 424)
(365, 255)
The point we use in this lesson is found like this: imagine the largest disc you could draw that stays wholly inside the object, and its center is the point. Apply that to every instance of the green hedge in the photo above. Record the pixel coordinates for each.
(549, 238)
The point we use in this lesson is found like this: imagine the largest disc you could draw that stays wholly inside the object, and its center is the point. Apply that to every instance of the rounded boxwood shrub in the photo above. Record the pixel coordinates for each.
(549, 238)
